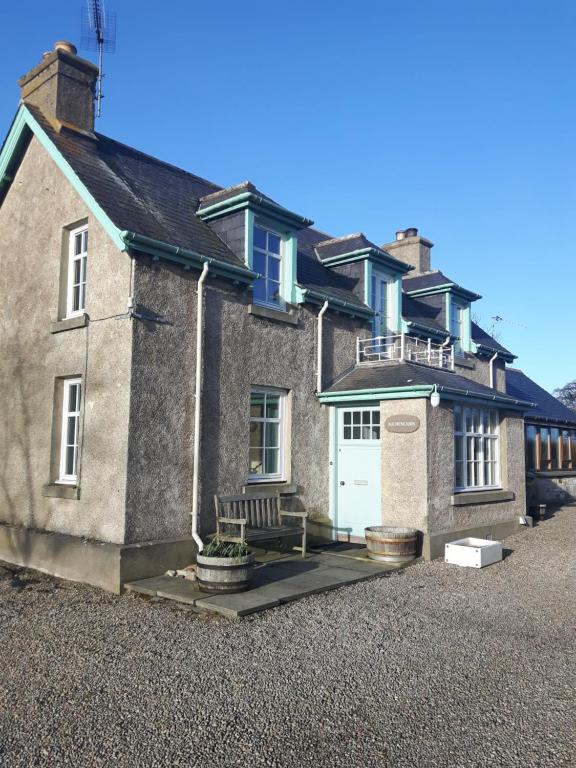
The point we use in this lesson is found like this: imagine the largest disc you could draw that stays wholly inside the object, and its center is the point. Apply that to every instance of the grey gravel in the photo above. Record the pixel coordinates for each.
(432, 666)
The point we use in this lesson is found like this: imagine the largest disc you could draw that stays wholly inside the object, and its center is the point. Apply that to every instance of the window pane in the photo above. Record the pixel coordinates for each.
(375, 417)
(459, 448)
(272, 406)
(256, 435)
(259, 263)
(347, 417)
(73, 392)
(554, 438)
(273, 243)
(347, 433)
(272, 461)
(366, 417)
(70, 459)
(375, 433)
(273, 292)
(82, 299)
(71, 430)
(366, 433)
(259, 290)
(272, 433)
(257, 405)
(259, 238)
(458, 419)
(77, 271)
(256, 461)
(460, 480)
(356, 417)
(76, 298)
(356, 433)
(274, 269)
(78, 243)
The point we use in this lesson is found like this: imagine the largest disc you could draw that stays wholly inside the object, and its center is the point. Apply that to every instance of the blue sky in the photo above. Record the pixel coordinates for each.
(454, 117)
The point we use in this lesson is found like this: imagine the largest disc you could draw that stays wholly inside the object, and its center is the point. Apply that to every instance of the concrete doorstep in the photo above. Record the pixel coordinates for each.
(275, 582)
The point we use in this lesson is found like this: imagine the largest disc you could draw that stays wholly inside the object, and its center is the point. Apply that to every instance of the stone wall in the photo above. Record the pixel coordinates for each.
(38, 208)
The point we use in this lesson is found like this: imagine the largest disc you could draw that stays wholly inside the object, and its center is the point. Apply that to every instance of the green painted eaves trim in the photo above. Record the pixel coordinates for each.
(378, 257)
(484, 349)
(23, 121)
(445, 288)
(256, 202)
(412, 324)
(421, 390)
(345, 307)
(186, 257)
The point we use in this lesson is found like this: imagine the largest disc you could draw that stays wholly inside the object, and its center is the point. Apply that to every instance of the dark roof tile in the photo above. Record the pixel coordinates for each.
(548, 408)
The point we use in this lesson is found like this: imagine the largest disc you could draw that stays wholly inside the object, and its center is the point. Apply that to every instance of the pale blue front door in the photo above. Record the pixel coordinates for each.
(358, 469)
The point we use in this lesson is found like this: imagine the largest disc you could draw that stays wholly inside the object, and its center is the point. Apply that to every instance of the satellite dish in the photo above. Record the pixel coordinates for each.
(98, 34)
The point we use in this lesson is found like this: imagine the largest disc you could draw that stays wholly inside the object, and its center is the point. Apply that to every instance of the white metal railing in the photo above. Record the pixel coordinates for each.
(402, 347)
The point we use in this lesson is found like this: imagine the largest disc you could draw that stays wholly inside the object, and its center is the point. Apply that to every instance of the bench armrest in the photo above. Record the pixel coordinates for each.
(233, 520)
(303, 515)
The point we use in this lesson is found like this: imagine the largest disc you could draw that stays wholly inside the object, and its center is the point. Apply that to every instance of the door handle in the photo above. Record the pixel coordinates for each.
(342, 482)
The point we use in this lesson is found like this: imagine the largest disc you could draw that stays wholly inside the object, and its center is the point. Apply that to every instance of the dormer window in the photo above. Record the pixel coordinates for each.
(381, 301)
(267, 262)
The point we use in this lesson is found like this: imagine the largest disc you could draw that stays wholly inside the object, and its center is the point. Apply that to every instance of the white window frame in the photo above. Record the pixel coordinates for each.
(484, 436)
(65, 477)
(281, 421)
(280, 304)
(72, 259)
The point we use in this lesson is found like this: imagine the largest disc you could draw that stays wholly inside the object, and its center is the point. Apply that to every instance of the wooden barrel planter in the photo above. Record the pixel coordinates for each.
(391, 544)
(224, 575)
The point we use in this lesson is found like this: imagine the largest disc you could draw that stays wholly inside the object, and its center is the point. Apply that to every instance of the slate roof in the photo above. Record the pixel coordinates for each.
(480, 336)
(313, 275)
(392, 375)
(420, 312)
(140, 193)
(548, 408)
(430, 280)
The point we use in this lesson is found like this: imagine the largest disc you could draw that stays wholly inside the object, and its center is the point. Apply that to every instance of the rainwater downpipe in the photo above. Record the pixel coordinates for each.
(198, 404)
(320, 333)
(492, 359)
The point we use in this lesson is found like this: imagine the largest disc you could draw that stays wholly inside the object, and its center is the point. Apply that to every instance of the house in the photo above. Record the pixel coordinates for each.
(165, 339)
(550, 443)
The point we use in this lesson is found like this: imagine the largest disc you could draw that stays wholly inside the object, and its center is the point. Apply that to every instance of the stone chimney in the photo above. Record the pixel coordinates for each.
(411, 248)
(62, 86)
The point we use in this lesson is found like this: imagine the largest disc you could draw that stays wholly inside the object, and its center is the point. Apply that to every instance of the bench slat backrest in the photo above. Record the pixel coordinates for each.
(261, 510)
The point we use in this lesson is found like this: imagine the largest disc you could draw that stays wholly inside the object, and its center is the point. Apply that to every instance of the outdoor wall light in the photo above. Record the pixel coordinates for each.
(435, 399)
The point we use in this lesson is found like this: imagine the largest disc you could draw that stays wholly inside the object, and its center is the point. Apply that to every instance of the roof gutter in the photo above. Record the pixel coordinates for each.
(243, 200)
(317, 297)
(188, 258)
(397, 266)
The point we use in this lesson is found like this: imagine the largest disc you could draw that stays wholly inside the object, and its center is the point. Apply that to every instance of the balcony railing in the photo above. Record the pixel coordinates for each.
(404, 348)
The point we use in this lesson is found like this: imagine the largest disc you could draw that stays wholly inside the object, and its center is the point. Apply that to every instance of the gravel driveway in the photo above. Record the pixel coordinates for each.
(431, 666)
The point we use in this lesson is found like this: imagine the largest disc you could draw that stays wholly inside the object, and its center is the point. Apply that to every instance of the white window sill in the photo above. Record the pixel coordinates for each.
(270, 485)
(59, 490)
(69, 323)
(462, 498)
(282, 315)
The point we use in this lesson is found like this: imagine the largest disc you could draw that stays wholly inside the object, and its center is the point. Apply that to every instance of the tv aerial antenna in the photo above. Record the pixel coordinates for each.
(98, 34)
(497, 320)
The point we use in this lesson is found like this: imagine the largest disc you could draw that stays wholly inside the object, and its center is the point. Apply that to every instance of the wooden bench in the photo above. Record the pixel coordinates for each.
(258, 517)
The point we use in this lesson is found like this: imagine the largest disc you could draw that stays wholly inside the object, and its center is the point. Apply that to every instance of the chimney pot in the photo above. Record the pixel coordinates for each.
(411, 248)
(64, 45)
(411, 232)
(400, 235)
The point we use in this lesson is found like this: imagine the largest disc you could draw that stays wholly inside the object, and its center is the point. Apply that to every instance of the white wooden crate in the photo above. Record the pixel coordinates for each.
(473, 553)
